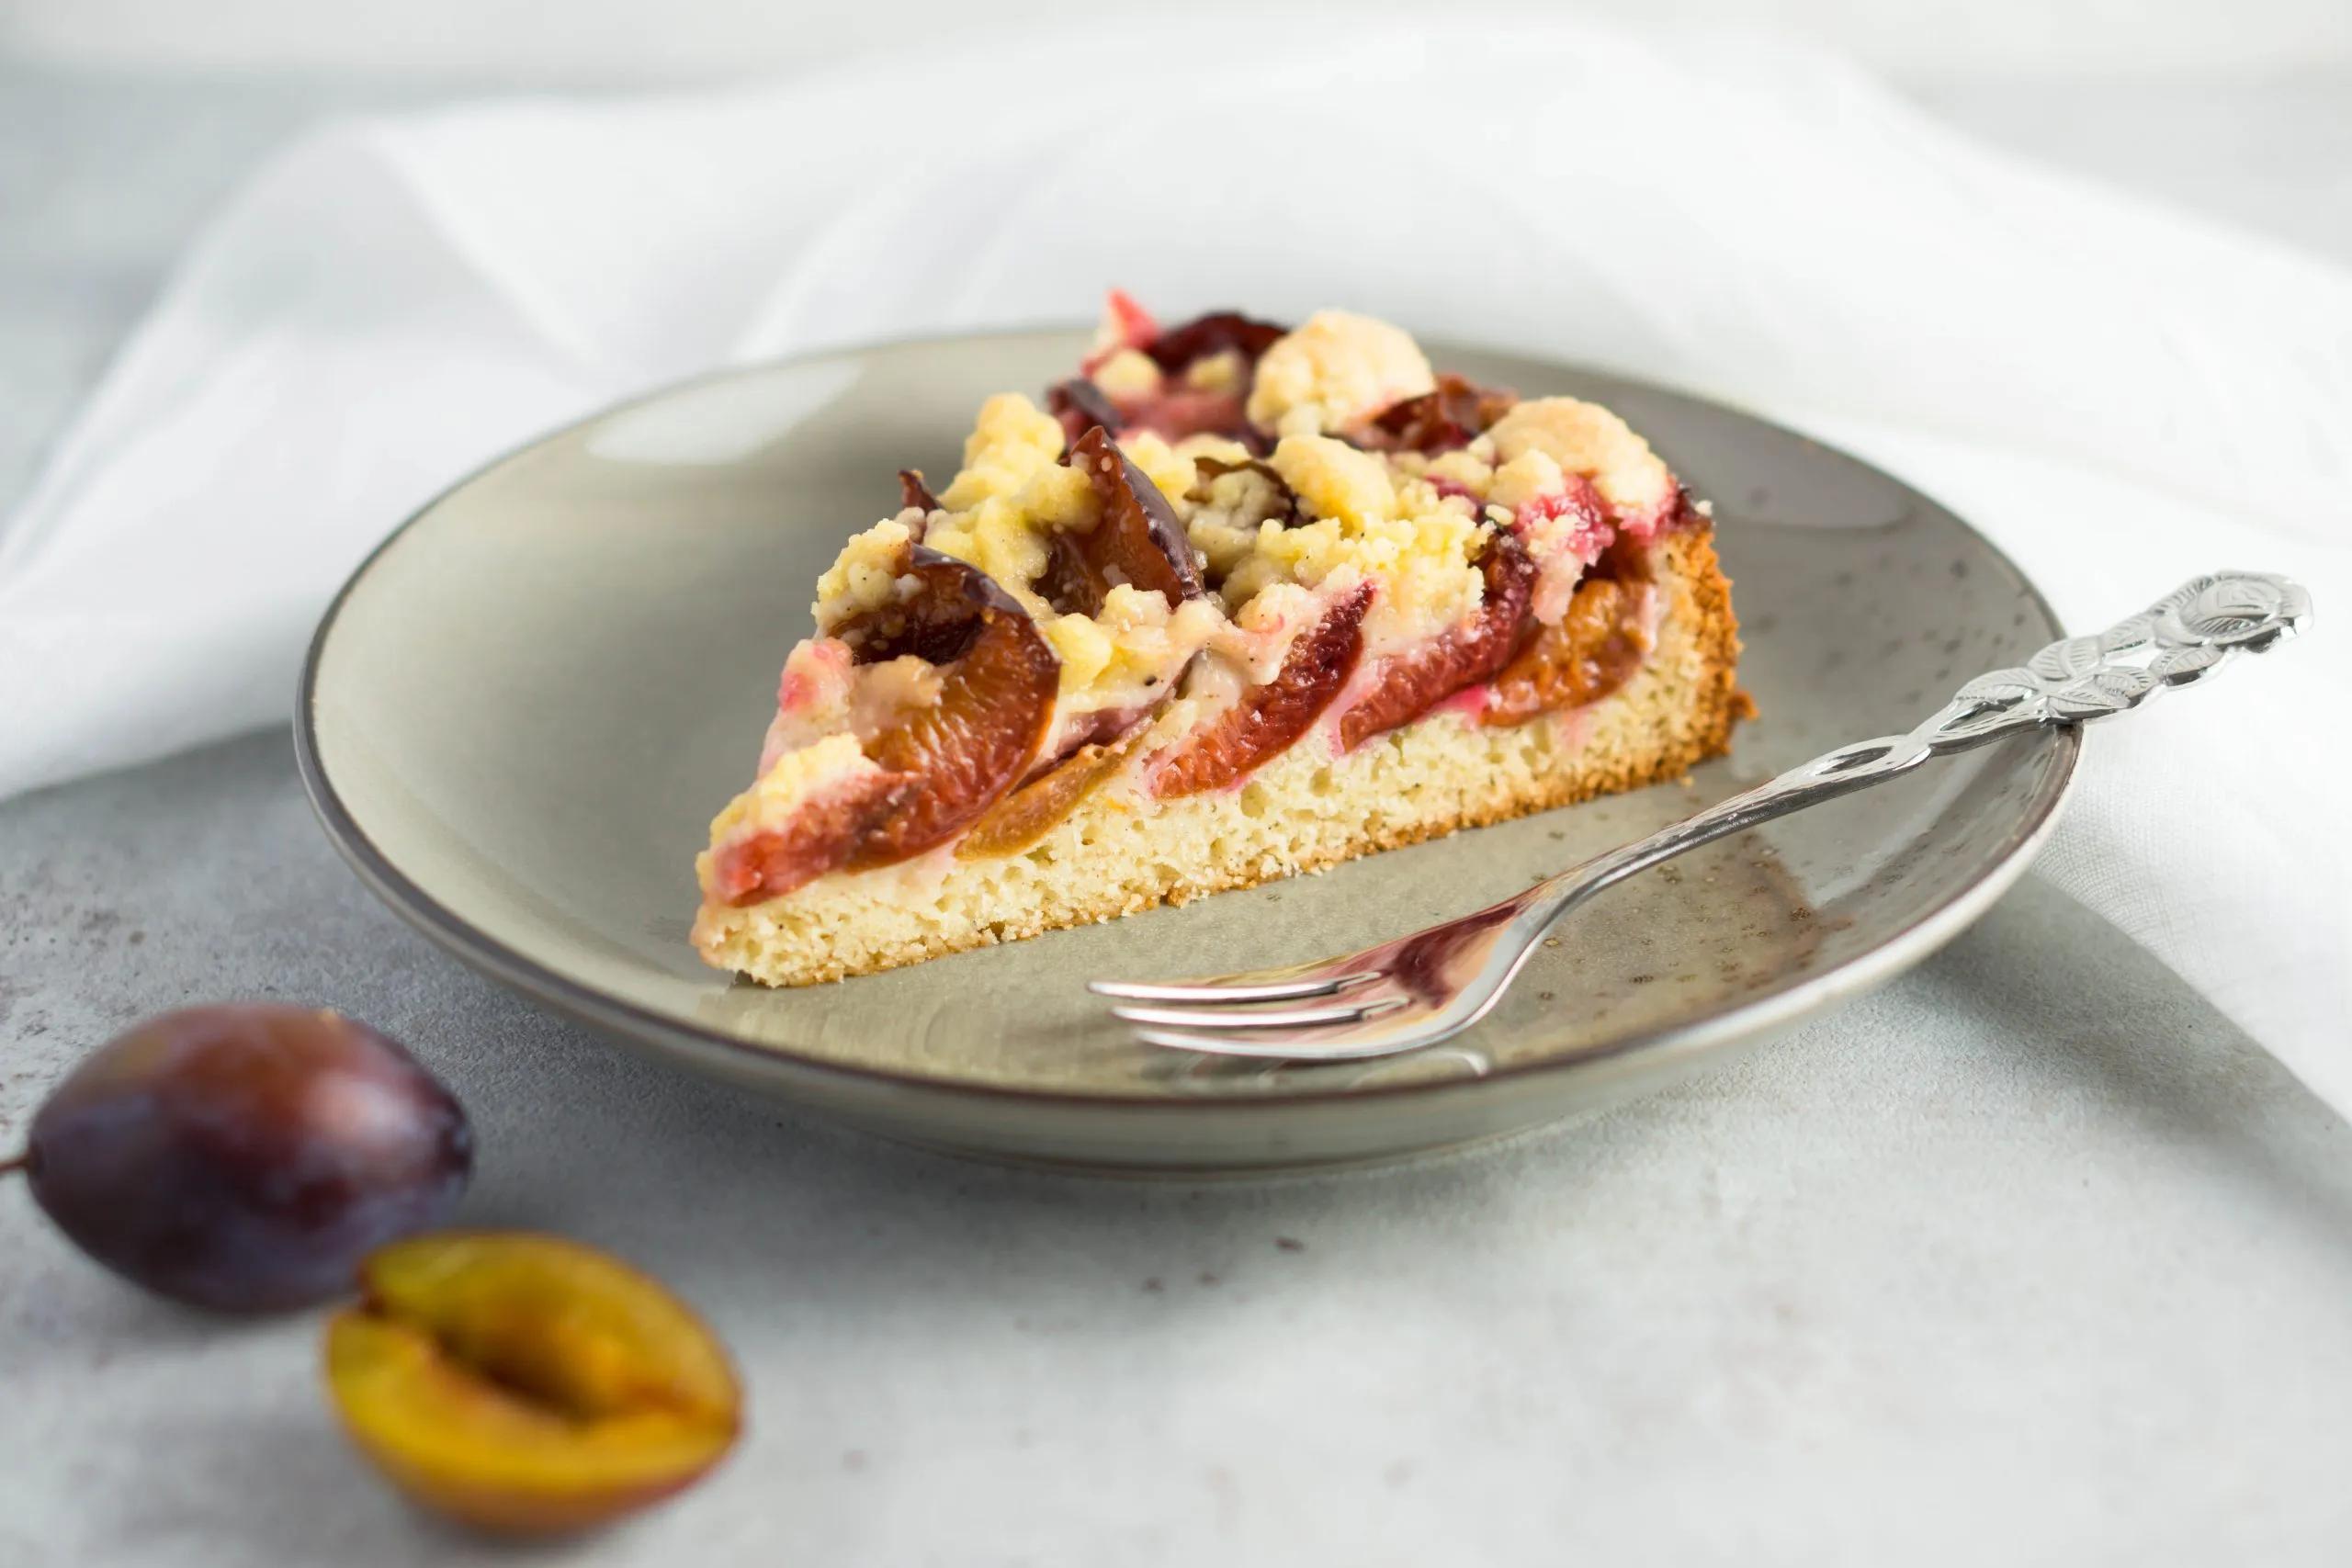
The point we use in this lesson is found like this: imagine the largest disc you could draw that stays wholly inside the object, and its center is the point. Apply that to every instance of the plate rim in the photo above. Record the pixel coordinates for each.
(638, 1026)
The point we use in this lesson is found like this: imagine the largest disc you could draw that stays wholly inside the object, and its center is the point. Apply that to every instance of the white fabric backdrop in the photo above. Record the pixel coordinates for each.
(636, 41)
(2118, 396)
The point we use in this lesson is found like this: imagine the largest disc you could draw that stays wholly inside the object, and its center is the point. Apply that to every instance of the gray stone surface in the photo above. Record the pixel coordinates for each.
(2028, 1256)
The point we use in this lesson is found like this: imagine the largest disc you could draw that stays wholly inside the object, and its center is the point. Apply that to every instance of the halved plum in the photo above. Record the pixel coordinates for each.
(1588, 653)
(1454, 415)
(1268, 719)
(528, 1385)
(942, 765)
(1410, 685)
(1137, 541)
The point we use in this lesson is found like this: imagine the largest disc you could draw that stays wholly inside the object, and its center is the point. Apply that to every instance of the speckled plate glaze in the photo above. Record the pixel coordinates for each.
(520, 715)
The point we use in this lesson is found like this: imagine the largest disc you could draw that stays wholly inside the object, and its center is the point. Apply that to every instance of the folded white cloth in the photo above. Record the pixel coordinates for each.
(2118, 396)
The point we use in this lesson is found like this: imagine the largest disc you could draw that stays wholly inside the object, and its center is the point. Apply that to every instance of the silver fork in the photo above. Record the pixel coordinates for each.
(1416, 990)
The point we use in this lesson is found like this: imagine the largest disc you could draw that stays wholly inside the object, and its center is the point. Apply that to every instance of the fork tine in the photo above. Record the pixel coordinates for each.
(1252, 991)
(1239, 1017)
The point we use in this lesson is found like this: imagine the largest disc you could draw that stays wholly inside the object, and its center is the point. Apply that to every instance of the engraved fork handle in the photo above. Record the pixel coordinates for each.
(2184, 637)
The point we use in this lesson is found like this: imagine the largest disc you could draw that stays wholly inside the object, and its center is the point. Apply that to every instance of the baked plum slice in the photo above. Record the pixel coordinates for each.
(914, 493)
(1029, 813)
(1081, 405)
(940, 764)
(997, 700)
(1407, 685)
(1176, 409)
(1589, 652)
(1138, 539)
(1268, 719)
(1453, 415)
(1177, 348)
(819, 836)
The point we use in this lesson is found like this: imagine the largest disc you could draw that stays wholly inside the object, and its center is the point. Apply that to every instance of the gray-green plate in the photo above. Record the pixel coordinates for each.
(521, 714)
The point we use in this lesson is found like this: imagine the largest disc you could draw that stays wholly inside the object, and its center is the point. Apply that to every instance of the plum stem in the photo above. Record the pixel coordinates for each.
(10, 1166)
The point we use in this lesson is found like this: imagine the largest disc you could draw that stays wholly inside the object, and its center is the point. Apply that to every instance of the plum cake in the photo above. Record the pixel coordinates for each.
(1236, 601)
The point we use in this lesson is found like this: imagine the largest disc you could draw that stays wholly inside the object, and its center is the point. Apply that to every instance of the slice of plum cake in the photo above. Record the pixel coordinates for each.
(1237, 603)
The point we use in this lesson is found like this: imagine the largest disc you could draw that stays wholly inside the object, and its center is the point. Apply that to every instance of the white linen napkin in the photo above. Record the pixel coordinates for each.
(2118, 396)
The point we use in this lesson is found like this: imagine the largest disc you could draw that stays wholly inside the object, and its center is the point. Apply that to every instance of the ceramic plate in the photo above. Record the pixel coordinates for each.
(521, 714)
